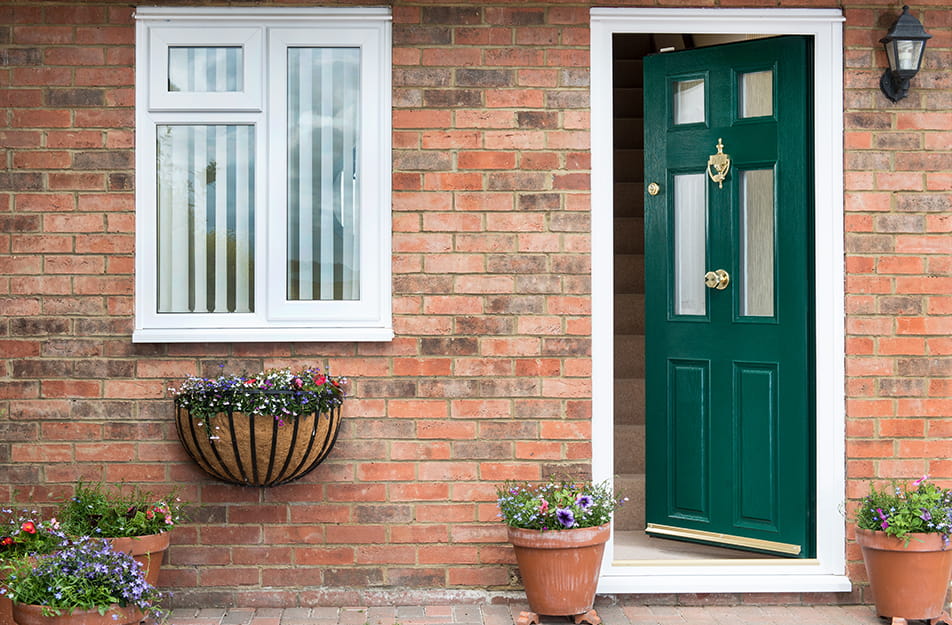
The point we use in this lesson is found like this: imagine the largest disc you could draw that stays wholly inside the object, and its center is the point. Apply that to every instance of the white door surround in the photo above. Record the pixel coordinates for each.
(826, 572)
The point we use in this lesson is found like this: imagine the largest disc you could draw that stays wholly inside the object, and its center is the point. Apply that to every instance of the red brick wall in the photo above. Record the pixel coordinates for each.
(489, 375)
(898, 179)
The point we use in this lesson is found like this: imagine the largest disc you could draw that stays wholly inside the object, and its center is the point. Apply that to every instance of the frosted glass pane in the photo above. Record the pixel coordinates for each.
(690, 243)
(756, 94)
(323, 129)
(689, 101)
(204, 69)
(205, 202)
(757, 243)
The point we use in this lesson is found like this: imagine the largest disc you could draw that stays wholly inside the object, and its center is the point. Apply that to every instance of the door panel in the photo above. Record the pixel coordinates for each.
(729, 369)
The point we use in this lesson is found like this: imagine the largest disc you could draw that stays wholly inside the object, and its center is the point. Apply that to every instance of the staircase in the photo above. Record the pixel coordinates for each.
(629, 279)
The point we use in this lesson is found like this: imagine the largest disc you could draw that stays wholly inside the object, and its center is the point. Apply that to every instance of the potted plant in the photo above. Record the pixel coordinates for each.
(260, 430)
(86, 583)
(134, 521)
(24, 536)
(558, 530)
(903, 532)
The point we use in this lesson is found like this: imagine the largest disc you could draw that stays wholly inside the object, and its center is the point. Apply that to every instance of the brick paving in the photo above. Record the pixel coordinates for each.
(491, 614)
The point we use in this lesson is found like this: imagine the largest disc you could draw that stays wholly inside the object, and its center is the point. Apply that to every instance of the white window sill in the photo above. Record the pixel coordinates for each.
(262, 335)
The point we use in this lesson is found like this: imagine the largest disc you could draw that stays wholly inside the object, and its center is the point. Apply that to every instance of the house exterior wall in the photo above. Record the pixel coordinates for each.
(489, 375)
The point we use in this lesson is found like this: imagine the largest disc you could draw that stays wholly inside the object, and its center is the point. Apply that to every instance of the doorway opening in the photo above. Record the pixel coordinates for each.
(631, 542)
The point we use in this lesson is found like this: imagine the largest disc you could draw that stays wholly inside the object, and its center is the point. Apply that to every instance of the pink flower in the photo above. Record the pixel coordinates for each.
(543, 506)
(920, 481)
(297, 382)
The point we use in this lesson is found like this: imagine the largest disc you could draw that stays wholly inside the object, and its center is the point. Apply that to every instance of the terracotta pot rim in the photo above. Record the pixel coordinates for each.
(559, 539)
(138, 545)
(915, 541)
(32, 613)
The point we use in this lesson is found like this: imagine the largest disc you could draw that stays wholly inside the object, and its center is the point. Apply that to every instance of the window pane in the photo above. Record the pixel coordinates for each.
(323, 127)
(689, 101)
(690, 243)
(756, 94)
(757, 243)
(205, 69)
(205, 203)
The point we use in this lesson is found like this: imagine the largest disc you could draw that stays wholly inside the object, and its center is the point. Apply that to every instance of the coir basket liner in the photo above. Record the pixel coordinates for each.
(258, 450)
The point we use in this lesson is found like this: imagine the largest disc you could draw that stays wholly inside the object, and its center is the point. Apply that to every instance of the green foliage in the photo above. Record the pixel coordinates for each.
(24, 533)
(556, 505)
(111, 512)
(278, 392)
(900, 511)
(86, 575)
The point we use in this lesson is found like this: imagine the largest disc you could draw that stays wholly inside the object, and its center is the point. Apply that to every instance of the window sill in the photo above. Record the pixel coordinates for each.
(263, 335)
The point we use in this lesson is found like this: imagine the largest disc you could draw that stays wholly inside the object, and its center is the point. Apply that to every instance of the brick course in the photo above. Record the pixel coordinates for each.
(490, 370)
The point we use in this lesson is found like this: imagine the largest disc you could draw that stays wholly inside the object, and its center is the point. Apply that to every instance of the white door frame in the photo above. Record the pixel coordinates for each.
(826, 572)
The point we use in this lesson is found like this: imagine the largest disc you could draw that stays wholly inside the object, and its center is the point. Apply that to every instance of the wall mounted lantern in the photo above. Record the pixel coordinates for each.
(905, 42)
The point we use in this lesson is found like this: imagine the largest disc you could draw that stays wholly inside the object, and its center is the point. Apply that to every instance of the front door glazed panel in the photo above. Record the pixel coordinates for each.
(730, 460)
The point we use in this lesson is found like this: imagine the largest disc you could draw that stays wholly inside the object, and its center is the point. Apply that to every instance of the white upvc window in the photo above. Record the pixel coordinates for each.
(262, 175)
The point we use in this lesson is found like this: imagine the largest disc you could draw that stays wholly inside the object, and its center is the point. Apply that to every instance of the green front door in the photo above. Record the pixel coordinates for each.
(728, 251)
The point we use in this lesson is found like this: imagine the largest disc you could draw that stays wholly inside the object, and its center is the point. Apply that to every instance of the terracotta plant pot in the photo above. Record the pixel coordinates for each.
(26, 614)
(908, 581)
(256, 450)
(560, 568)
(147, 550)
(6, 607)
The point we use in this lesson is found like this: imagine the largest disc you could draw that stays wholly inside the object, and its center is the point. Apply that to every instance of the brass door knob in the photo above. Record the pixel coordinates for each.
(717, 279)
(653, 188)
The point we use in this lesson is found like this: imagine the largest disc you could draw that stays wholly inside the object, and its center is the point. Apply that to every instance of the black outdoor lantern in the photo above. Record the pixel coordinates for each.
(905, 42)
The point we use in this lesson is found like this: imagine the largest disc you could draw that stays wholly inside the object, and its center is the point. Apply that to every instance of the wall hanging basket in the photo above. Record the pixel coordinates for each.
(258, 450)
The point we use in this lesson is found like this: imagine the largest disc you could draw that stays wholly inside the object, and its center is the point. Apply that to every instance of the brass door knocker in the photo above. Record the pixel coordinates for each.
(721, 163)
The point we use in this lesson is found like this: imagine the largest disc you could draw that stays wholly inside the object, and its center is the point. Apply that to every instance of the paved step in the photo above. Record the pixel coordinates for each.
(705, 609)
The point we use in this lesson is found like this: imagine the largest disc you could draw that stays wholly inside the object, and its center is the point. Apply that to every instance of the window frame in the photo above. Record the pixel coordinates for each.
(265, 34)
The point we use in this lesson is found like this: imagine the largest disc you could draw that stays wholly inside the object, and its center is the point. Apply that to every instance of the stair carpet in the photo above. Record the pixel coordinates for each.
(629, 287)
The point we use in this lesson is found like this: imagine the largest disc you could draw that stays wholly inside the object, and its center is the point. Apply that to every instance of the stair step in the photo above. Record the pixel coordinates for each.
(628, 101)
(629, 313)
(628, 72)
(629, 235)
(629, 273)
(630, 448)
(630, 516)
(629, 399)
(629, 356)
(629, 132)
(629, 165)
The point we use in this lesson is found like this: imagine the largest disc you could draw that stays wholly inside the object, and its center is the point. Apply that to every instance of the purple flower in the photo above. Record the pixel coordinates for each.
(584, 502)
(565, 517)
(926, 515)
(882, 515)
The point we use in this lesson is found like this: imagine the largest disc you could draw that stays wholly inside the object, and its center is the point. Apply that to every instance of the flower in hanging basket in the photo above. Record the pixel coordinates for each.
(85, 575)
(921, 507)
(113, 511)
(281, 393)
(556, 505)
